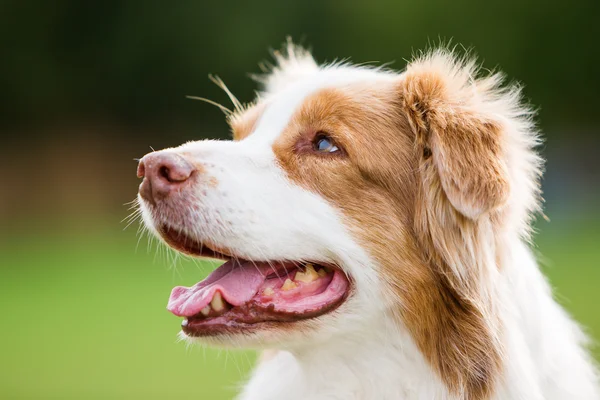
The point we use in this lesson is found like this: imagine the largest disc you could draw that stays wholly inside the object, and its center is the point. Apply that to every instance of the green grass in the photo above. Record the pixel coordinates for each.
(569, 253)
(84, 315)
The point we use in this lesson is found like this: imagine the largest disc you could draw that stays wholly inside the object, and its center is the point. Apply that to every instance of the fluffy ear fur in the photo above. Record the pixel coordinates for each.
(460, 139)
(478, 169)
(291, 64)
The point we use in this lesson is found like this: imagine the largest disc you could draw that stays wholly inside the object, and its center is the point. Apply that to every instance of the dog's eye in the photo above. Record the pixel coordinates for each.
(324, 144)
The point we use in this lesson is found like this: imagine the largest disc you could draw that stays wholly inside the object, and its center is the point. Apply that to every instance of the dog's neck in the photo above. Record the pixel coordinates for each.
(379, 363)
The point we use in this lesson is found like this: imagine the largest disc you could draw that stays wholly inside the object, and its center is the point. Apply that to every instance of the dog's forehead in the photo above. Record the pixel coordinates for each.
(283, 104)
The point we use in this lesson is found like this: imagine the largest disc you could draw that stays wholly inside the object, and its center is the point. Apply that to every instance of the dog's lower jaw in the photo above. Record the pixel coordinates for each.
(383, 362)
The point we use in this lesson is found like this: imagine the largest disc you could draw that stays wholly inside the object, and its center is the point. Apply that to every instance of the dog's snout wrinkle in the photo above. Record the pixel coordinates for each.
(163, 173)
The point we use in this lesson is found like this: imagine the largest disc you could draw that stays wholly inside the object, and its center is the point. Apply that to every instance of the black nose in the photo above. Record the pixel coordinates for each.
(164, 172)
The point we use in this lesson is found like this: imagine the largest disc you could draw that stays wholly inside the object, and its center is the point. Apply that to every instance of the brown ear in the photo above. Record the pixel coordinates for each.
(460, 141)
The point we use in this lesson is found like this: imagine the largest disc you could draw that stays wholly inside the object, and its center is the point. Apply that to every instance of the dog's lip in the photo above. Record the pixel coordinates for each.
(182, 242)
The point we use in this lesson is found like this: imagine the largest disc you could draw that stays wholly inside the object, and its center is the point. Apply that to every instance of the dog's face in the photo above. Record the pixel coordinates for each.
(297, 186)
(348, 196)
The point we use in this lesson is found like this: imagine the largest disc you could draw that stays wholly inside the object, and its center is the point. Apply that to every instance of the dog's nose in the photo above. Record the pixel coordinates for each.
(163, 172)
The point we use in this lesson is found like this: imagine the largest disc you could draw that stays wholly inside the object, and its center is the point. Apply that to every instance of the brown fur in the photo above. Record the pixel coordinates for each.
(465, 145)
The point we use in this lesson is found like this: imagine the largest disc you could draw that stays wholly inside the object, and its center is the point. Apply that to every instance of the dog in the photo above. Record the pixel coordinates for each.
(374, 227)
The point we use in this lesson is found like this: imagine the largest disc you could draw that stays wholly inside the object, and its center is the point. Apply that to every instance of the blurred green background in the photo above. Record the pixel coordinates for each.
(87, 86)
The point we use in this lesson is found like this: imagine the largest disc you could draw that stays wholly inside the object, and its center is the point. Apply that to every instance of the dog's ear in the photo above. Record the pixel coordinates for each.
(462, 175)
(459, 139)
(292, 63)
(477, 178)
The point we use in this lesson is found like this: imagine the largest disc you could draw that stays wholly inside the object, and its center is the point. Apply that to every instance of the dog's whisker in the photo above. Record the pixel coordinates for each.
(219, 82)
(134, 201)
(134, 219)
(225, 110)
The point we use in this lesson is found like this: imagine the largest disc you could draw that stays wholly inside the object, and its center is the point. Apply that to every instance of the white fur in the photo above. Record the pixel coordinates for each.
(359, 352)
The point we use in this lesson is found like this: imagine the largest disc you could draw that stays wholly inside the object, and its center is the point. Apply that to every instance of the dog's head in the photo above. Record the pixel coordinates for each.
(352, 195)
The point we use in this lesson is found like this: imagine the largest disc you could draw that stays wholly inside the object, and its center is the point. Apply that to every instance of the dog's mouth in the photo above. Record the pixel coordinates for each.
(243, 295)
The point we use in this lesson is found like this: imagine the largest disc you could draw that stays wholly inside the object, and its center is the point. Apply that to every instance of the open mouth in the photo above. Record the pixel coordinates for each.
(244, 295)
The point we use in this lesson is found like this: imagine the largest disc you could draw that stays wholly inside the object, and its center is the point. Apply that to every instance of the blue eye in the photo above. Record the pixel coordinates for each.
(324, 144)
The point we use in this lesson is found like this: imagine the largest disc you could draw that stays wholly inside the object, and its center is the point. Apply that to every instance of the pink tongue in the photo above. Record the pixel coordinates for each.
(237, 281)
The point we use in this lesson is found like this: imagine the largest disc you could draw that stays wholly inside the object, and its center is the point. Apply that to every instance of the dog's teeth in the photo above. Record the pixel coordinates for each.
(268, 291)
(308, 275)
(322, 272)
(288, 284)
(217, 302)
(205, 311)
